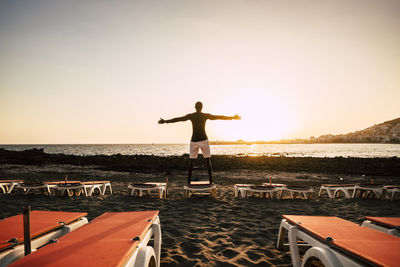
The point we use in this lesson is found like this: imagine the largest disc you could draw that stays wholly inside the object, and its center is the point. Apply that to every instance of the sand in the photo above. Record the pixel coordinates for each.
(203, 231)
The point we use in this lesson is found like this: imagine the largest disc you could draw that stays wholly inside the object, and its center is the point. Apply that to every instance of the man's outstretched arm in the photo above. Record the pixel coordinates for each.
(184, 118)
(221, 117)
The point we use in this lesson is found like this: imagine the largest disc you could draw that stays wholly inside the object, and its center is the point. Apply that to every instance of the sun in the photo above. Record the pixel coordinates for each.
(265, 117)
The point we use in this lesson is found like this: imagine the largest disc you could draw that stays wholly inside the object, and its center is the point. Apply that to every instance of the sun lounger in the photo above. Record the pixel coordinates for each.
(29, 187)
(334, 190)
(47, 187)
(76, 187)
(112, 239)
(239, 189)
(263, 190)
(391, 191)
(365, 190)
(45, 226)
(389, 225)
(337, 242)
(200, 187)
(101, 186)
(71, 188)
(160, 188)
(7, 186)
(268, 189)
(293, 190)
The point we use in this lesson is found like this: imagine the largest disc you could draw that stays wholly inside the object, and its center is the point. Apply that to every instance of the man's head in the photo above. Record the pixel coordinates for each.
(198, 106)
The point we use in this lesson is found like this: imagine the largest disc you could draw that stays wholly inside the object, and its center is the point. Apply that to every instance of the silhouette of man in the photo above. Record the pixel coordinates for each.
(199, 136)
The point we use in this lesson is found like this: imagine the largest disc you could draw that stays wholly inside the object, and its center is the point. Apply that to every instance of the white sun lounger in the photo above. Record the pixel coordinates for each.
(160, 188)
(87, 188)
(391, 191)
(71, 188)
(45, 226)
(292, 191)
(112, 239)
(239, 189)
(364, 190)
(266, 189)
(7, 186)
(200, 187)
(263, 190)
(334, 190)
(337, 243)
(101, 186)
(29, 187)
(389, 225)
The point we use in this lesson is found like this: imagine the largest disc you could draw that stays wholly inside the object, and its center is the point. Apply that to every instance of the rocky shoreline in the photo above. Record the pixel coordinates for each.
(150, 163)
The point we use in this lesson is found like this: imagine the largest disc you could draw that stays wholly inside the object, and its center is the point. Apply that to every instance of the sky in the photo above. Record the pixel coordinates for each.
(100, 71)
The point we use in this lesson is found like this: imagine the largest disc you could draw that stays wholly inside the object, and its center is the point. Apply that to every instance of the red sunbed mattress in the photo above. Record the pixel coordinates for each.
(391, 222)
(364, 243)
(42, 222)
(106, 241)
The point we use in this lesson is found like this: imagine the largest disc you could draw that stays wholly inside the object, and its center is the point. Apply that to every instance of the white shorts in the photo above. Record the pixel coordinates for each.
(205, 149)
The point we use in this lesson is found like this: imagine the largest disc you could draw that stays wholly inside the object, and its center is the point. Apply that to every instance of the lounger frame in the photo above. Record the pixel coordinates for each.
(26, 188)
(334, 191)
(351, 246)
(364, 191)
(142, 255)
(267, 192)
(374, 224)
(239, 189)
(191, 190)
(7, 186)
(161, 189)
(391, 192)
(306, 193)
(87, 188)
(323, 251)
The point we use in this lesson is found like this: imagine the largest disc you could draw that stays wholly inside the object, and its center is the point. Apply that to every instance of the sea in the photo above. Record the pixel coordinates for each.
(274, 150)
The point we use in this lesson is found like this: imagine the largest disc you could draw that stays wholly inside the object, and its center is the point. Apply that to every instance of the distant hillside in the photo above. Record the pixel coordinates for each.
(387, 132)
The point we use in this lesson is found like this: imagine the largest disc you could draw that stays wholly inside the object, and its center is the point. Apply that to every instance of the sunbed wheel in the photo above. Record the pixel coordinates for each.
(152, 262)
(313, 262)
(146, 257)
(318, 257)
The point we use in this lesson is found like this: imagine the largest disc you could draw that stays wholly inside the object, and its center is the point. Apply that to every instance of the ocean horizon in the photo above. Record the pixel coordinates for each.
(275, 150)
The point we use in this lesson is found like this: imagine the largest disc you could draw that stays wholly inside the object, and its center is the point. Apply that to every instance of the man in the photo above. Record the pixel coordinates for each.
(199, 136)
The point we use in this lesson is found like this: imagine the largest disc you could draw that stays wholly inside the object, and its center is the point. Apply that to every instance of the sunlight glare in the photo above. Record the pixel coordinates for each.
(265, 117)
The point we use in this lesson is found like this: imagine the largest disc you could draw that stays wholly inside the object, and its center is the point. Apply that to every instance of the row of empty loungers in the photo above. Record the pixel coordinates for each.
(377, 191)
(63, 187)
(268, 190)
(280, 191)
(78, 188)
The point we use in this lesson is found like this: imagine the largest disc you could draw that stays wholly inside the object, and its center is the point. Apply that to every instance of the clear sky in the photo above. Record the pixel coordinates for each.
(105, 71)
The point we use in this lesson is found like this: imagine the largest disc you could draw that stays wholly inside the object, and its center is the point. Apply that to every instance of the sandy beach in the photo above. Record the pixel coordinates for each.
(201, 231)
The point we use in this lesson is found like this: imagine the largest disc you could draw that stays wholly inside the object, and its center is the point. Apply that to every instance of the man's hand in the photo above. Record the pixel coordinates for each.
(237, 117)
(161, 121)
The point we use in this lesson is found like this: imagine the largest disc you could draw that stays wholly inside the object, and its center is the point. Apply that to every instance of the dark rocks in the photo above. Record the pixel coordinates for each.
(151, 163)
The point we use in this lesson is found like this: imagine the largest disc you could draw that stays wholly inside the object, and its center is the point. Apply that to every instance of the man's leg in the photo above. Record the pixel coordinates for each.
(209, 168)
(194, 151)
(205, 148)
(191, 163)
